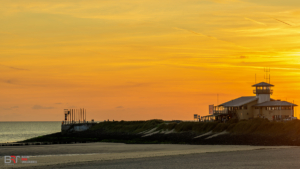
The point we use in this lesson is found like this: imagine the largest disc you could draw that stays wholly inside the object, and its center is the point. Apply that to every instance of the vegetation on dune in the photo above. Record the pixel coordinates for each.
(262, 126)
(127, 126)
(254, 126)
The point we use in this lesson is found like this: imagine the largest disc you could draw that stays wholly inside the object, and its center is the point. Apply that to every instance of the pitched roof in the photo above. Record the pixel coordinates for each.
(239, 101)
(274, 103)
(262, 84)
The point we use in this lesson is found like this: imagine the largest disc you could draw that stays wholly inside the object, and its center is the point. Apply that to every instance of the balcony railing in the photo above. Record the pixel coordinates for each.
(224, 111)
(263, 91)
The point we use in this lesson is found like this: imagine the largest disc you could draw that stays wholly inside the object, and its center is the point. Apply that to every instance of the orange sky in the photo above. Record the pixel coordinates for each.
(139, 60)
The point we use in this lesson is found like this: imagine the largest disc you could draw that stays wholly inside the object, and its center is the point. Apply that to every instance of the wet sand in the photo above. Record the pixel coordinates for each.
(71, 155)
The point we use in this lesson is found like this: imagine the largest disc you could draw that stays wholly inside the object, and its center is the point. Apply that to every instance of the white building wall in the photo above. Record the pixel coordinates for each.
(263, 98)
(270, 113)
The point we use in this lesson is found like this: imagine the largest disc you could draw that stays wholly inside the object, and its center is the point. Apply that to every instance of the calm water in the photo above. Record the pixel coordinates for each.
(17, 131)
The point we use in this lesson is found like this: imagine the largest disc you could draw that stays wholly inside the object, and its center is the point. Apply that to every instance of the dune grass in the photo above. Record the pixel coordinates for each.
(254, 126)
(127, 126)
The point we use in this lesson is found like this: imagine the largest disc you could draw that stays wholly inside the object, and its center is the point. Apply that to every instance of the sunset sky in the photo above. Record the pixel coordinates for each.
(139, 60)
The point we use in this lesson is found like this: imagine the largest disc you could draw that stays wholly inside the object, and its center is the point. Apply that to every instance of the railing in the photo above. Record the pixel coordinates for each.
(220, 111)
(75, 122)
(263, 91)
(224, 111)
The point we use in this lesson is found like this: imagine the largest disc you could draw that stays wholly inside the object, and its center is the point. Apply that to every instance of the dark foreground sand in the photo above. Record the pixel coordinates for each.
(116, 155)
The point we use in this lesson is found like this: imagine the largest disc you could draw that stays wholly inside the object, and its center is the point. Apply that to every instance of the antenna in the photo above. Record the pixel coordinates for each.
(255, 78)
(268, 75)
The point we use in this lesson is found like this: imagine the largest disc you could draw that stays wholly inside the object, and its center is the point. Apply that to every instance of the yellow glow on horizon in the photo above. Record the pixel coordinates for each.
(155, 59)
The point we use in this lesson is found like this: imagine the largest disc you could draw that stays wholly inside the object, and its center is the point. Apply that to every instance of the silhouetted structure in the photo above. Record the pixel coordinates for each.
(74, 116)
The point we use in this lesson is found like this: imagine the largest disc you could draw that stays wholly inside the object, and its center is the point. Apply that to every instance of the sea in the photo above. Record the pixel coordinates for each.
(18, 131)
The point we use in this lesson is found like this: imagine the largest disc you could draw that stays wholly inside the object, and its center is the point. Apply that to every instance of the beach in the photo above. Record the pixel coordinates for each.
(89, 154)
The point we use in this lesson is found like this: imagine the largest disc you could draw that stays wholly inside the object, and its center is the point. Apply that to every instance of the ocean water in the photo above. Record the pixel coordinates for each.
(18, 131)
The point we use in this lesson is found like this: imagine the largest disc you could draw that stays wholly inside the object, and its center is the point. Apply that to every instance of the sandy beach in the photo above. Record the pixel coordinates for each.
(65, 155)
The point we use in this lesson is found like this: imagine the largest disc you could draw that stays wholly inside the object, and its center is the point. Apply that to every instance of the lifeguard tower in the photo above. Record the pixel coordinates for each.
(263, 91)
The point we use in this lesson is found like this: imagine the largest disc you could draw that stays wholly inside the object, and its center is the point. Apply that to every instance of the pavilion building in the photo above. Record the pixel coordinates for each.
(248, 107)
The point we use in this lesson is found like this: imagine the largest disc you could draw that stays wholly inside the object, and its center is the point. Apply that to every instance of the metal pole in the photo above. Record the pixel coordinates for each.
(280, 114)
(292, 110)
